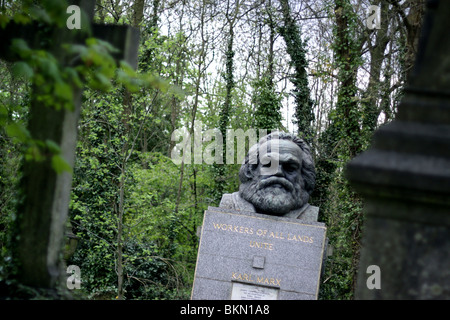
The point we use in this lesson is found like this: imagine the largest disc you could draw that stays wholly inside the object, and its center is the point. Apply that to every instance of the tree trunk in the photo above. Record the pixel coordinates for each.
(200, 67)
(120, 273)
(219, 169)
(347, 105)
(271, 43)
(138, 13)
(413, 25)
(370, 99)
(304, 115)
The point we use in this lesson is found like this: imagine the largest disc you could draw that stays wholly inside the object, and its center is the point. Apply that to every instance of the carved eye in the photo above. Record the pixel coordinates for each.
(290, 167)
(266, 162)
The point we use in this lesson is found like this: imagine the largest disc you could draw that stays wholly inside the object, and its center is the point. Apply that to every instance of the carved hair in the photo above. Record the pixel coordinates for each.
(307, 168)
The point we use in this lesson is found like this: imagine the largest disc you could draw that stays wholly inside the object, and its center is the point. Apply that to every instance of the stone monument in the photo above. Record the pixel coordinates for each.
(264, 241)
(405, 180)
(281, 189)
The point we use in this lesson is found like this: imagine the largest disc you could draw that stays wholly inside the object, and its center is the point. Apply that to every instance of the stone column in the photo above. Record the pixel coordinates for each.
(405, 180)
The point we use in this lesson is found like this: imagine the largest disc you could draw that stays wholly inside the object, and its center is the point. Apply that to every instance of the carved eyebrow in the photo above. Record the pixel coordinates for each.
(288, 159)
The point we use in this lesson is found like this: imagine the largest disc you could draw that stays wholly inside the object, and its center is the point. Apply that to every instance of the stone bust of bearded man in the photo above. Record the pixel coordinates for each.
(277, 178)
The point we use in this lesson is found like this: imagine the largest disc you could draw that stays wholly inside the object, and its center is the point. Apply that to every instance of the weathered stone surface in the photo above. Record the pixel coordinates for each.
(405, 180)
(261, 250)
(277, 178)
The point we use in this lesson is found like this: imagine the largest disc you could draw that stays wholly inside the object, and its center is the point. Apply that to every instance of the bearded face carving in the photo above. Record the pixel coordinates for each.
(281, 177)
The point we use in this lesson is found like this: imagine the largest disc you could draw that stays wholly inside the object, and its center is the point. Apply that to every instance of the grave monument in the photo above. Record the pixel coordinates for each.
(264, 241)
(405, 180)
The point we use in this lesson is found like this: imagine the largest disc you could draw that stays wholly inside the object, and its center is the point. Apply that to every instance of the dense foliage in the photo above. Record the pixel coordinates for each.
(312, 69)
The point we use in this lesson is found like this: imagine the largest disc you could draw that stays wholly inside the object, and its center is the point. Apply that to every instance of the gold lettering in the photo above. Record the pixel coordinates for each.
(276, 235)
(261, 245)
(306, 239)
(242, 277)
(261, 232)
(232, 228)
(259, 279)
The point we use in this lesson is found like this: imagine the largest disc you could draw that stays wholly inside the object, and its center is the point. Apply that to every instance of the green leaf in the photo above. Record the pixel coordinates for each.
(22, 69)
(100, 82)
(91, 41)
(33, 153)
(53, 146)
(20, 18)
(60, 165)
(126, 67)
(4, 19)
(50, 67)
(63, 90)
(21, 47)
(109, 47)
(40, 14)
(71, 75)
(3, 115)
(15, 130)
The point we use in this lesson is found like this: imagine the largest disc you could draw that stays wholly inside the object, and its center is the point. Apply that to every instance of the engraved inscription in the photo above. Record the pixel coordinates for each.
(263, 280)
(261, 245)
(263, 233)
(241, 291)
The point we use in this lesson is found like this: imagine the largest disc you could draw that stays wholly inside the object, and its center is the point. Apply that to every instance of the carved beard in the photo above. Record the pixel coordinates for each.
(274, 195)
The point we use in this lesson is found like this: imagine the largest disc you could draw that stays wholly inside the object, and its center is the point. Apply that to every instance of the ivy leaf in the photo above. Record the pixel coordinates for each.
(3, 115)
(4, 19)
(20, 47)
(50, 67)
(100, 82)
(20, 18)
(15, 130)
(63, 90)
(60, 165)
(109, 47)
(22, 69)
(53, 146)
(40, 14)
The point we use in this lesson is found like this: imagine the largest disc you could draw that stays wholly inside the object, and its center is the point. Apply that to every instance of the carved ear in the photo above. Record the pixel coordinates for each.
(250, 171)
(247, 172)
(250, 165)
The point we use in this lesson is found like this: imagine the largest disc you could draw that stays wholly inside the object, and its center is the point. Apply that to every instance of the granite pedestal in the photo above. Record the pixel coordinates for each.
(250, 256)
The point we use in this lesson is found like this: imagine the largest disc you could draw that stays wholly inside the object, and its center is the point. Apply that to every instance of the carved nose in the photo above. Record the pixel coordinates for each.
(280, 172)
